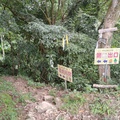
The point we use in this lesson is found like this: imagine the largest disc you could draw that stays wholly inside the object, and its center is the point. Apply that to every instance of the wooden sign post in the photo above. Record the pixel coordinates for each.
(104, 43)
(101, 31)
(106, 56)
(65, 73)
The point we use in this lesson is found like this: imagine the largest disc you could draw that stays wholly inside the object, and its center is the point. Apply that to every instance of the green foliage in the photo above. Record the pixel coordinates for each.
(90, 89)
(26, 96)
(53, 92)
(7, 105)
(32, 45)
(115, 69)
(101, 107)
(36, 84)
(116, 94)
(91, 7)
(103, 7)
(81, 60)
(5, 86)
(87, 24)
(73, 102)
(84, 23)
(9, 99)
(44, 46)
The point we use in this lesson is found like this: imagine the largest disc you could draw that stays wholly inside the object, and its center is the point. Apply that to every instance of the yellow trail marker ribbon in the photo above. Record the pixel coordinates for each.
(63, 41)
(67, 39)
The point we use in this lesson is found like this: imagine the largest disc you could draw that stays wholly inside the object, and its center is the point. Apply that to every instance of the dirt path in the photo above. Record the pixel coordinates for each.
(44, 106)
(38, 94)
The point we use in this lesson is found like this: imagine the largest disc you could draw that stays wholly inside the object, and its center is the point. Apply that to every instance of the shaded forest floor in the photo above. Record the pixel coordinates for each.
(37, 101)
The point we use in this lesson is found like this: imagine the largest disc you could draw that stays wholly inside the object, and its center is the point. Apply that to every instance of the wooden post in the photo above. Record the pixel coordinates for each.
(104, 86)
(101, 31)
(66, 85)
(104, 70)
(110, 20)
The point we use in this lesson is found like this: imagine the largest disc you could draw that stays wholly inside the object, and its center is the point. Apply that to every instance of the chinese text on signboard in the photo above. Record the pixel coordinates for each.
(65, 73)
(106, 56)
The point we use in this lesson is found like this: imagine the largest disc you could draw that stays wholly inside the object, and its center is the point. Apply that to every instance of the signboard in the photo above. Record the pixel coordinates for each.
(65, 73)
(106, 56)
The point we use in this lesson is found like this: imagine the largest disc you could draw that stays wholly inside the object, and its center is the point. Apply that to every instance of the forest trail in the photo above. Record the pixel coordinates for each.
(45, 103)
(44, 106)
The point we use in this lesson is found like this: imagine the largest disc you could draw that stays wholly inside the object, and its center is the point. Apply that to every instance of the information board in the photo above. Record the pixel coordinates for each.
(65, 73)
(106, 56)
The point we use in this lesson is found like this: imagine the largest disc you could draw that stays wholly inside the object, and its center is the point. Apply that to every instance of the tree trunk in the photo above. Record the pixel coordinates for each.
(111, 18)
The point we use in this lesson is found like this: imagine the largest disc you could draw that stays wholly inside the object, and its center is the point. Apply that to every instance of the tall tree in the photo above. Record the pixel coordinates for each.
(112, 16)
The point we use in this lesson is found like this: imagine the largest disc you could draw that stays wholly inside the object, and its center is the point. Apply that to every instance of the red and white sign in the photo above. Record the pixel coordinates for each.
(65, 73)
(106, 56)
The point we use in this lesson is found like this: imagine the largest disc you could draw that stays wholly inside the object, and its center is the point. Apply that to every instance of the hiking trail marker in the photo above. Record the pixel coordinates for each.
(65, 73)
(105, 56)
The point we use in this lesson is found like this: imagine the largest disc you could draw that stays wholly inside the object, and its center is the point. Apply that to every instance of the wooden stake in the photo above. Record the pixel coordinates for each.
(104, 86)
(66, 85)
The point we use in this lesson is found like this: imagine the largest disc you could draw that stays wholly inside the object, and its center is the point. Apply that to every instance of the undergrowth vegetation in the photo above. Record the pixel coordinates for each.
(33, 46)
(72, 102)
(104, 104)
(9, 99)
(102, 107)
(7, 105)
